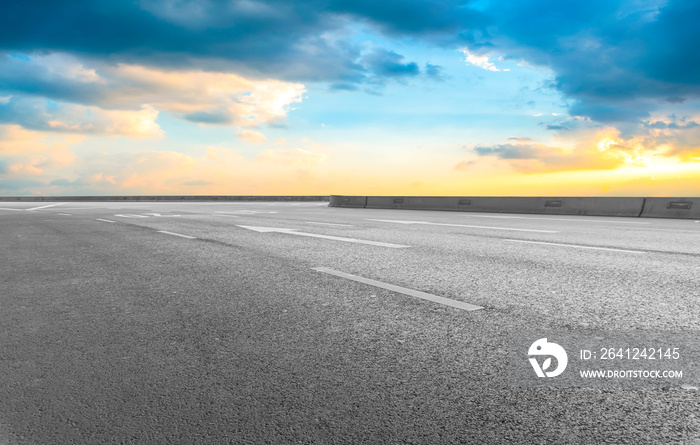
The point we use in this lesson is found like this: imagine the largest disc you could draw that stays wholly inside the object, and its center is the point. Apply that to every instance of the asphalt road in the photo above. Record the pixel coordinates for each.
(154, 322)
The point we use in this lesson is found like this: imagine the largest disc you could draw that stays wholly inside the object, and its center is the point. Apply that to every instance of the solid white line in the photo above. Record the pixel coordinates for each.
(48, 205)
(649, 229)
(462, 225)
(573, 219)
(177, 234)
(16, 210)
(402, 290)
(104, 220)
(573, 245)
(328, 224)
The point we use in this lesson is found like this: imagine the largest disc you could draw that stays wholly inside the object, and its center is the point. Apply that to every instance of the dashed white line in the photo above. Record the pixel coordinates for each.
(247, 212)
(46, 206)
(314, 235)
(105, 220)
(83, 208)
(64, 214)
(230, 216)
(402, 290)
(177, 234)
(130, 215)
(329, 224)
(573, 245)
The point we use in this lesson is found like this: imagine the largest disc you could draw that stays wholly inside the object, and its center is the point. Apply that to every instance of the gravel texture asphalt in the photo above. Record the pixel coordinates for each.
(115, 332)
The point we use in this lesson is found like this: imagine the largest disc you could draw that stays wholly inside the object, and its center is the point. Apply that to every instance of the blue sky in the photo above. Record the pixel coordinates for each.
(321, 97)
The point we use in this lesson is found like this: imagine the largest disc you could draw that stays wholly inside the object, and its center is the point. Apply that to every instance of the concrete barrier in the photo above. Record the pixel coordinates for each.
(594, 206)
(348, 201)
(686, 208)
(165, 198)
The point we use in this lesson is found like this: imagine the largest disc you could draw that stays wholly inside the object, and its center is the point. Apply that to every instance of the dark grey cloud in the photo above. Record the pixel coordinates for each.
(535, 158)
(277, 38)
(509, 151)
(618, 60)
(203, 117)
(615, 61)
(388, 64)
(661, 125)
(435, 72)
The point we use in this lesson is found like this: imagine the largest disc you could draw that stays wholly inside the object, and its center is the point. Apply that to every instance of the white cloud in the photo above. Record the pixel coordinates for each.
(254, 137)
(112, 91)
(480, 61)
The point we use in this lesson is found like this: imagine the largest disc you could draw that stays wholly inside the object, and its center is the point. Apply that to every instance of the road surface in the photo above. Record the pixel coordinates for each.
(224, 322)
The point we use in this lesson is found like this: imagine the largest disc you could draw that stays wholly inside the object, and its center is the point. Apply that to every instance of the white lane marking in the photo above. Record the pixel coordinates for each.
(48, 205)
(83, 208)
(104, 220)
(649, 229)
(159, 214)
(231, 216)
(462, 225)
(177, 234)
(329, 224)
(573, 245)
(19, 210)
(573, 219)
(314, 235)
(246, 212)
(402, 290)
(64, 214)
(130, 215)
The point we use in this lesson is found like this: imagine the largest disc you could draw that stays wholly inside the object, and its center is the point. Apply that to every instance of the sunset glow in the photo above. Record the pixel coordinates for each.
(468, 98)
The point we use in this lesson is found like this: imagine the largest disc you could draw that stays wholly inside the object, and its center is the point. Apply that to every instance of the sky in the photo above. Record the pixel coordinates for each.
(320, 97)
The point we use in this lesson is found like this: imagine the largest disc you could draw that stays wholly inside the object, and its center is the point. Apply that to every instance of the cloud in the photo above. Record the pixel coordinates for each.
(62, 93)
(388, 64)
(197, 183)
(662, 125)
(618, 61)
(254, 137)
(38, 114)
(30, 153)
(434, 72)
(477, 60)
(297, 41)
(529, 157)
(463, 165)
(13, 185)
(293, 157)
